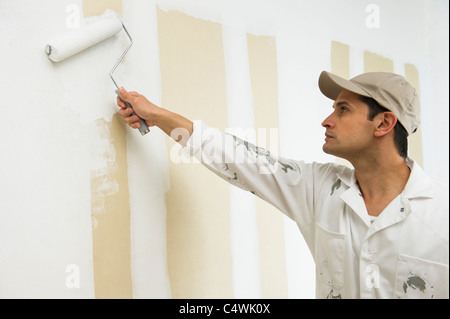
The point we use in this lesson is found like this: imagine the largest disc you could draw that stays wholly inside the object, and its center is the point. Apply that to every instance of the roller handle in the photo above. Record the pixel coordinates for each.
(144, 129)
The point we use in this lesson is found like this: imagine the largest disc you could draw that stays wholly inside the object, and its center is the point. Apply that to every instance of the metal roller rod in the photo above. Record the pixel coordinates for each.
(143, 129)
(122, 56)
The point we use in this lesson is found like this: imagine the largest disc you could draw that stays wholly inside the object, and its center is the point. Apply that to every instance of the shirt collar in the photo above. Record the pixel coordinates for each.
(347, 176)
(419, 185)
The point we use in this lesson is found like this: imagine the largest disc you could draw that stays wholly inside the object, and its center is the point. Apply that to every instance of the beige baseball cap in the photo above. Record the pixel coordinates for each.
(390, 90)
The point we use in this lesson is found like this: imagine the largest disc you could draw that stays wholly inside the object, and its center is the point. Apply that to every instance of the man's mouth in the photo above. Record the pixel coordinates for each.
(328, 136)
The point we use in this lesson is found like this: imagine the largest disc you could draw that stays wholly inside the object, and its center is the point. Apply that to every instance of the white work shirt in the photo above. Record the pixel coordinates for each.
(403, 253)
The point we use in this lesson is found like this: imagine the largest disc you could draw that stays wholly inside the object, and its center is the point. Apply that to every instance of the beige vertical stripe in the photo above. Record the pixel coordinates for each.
(264, 81)
(340, 59)
(198, 203)
(415, 140)
(377, 63)
(111, 217)
(110, 200)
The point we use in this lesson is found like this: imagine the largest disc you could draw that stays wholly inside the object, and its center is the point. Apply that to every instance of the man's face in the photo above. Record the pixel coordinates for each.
(349, 133)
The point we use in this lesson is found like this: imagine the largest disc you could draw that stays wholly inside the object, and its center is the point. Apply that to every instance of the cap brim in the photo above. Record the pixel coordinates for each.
(331, 85)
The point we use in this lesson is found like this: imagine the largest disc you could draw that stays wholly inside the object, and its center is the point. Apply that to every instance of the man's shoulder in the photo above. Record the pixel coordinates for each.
(329, 172)
(334, 169)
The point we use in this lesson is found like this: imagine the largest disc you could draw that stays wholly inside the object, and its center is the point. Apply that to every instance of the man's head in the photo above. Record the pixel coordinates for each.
(390, 103)
(390, 90)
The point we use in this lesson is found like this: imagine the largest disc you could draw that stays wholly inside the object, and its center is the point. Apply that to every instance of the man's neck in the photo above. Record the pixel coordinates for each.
(381, 181)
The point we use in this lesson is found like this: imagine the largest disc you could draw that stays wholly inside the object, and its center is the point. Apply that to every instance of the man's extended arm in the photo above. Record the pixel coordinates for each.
(288, 185)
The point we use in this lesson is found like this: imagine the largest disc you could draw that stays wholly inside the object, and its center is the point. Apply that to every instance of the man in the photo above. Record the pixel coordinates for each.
(379, 230)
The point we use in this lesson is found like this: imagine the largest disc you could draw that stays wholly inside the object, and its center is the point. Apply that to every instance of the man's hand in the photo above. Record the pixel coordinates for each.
(170, 123)
(143, 108)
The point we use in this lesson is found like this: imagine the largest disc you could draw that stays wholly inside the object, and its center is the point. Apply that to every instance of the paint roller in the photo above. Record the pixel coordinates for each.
(104, 26)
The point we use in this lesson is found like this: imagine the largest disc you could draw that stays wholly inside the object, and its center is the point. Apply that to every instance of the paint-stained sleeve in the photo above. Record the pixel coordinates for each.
(286, 184)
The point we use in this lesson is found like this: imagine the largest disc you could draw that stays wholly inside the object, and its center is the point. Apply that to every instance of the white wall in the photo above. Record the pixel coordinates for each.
(51, 145)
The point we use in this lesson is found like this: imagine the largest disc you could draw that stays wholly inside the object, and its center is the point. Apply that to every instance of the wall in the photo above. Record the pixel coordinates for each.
(90, 209)
(82, 205)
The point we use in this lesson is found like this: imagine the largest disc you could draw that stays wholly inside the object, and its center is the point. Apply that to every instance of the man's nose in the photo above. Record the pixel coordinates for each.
(328, 122)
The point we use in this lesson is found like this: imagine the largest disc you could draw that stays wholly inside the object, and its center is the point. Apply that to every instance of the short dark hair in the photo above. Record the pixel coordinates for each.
(400, 133)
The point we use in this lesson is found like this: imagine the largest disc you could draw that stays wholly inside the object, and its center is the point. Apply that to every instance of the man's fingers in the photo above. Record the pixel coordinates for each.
(135, 125)
(128, 118)
(131, 119)
(125, 112)
(120, 103)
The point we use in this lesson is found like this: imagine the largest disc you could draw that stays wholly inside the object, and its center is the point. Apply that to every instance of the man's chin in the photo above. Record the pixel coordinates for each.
(327, 149)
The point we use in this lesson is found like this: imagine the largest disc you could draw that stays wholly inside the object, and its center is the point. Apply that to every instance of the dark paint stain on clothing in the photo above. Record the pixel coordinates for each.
(335, 186)
(414, 282)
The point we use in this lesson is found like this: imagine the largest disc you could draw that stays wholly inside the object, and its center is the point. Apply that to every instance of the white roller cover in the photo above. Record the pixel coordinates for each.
(96, 30)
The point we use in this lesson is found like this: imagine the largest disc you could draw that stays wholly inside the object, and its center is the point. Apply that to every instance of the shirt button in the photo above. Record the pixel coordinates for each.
(368, 255)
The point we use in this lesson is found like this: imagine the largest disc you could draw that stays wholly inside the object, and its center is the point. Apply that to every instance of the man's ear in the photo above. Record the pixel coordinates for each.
(385, 123)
